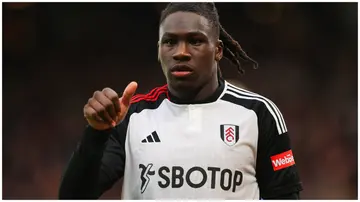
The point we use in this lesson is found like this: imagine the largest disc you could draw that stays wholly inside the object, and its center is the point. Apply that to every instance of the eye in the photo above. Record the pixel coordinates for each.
(169, 42)
(196, 41)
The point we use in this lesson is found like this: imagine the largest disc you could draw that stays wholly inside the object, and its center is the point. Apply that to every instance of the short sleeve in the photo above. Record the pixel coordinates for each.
(276, 170)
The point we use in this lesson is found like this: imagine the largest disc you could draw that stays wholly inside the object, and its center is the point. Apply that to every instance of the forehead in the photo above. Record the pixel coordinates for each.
(183, 22)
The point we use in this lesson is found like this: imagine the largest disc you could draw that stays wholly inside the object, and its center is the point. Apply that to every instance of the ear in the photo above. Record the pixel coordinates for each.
(219, 50)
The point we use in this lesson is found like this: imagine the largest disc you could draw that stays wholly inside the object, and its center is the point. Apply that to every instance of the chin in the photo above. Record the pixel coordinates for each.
(182, 84)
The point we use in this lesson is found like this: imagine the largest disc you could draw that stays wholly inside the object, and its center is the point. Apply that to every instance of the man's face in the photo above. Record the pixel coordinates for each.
(188, 50)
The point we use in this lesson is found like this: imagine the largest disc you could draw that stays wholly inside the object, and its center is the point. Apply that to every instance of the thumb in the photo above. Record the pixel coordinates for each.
(128, 93)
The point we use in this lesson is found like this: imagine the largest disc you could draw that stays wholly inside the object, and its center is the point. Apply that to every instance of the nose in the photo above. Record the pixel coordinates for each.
(182, 54)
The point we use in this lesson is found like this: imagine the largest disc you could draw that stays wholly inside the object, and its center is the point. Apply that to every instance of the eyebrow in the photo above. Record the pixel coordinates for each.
(193, 33)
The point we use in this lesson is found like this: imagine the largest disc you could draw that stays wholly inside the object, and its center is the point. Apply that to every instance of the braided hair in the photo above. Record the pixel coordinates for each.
(232, 49)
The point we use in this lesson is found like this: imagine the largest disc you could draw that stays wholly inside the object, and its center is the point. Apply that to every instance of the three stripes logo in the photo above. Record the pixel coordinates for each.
(151, 138)
(229, 134)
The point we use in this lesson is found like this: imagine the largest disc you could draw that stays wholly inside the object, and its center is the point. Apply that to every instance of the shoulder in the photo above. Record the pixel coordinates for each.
(265, 109)
(247, 99)
(151, 96)
(150, 100)
(139, 102)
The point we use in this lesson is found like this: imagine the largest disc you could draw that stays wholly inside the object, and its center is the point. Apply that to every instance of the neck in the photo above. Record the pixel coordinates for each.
(197, 95)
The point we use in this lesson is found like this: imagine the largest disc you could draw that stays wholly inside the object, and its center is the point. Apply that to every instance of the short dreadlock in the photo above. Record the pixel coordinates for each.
(232, 49)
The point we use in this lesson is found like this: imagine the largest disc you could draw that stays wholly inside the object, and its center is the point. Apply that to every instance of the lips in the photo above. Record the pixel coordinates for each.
(181, 71)
(181, 68)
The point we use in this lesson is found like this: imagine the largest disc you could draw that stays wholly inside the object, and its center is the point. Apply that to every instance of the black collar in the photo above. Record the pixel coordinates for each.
(209, 99)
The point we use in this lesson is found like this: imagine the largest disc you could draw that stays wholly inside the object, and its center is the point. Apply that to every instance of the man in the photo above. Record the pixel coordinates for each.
(196, 137)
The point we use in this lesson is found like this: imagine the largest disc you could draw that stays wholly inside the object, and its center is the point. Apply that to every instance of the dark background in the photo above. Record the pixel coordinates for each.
(55, 55)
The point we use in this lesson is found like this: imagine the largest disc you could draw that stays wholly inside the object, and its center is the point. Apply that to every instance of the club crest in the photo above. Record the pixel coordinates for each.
(229, 134)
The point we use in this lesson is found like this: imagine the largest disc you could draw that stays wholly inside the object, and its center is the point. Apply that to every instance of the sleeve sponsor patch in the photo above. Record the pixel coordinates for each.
(282, 160)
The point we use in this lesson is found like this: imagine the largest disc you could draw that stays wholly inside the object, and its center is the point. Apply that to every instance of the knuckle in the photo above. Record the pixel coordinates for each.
(114, 97)
(86, 110)
(107, 89)
(111, 94)
(92, 114)
(96, 93)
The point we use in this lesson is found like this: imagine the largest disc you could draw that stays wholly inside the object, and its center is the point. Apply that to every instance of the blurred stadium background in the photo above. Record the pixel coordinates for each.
(56, 54)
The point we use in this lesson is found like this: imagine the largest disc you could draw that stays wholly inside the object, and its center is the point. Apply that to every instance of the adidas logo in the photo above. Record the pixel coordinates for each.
(151, 138)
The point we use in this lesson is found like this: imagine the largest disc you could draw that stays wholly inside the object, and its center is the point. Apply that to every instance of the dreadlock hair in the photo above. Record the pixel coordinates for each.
(231, 48)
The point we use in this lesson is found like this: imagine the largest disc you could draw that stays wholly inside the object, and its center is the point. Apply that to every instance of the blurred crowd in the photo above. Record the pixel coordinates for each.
(55, 55)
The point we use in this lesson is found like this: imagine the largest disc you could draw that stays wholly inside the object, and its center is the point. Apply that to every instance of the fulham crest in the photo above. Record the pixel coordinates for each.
(229, 133)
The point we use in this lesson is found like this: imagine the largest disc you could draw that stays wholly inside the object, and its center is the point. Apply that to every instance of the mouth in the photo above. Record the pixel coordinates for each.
(181, 70)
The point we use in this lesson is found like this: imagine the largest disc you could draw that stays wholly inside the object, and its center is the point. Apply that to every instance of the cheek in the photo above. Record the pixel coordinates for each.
(164, 60)
(208, 63)
(207, 51)
(207, 56)
(163, 56)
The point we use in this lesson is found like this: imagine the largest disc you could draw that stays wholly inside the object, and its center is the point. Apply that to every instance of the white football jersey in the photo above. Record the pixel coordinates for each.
(235, 146)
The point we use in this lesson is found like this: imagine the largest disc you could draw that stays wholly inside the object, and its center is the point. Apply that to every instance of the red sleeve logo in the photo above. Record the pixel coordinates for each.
(282, 160)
